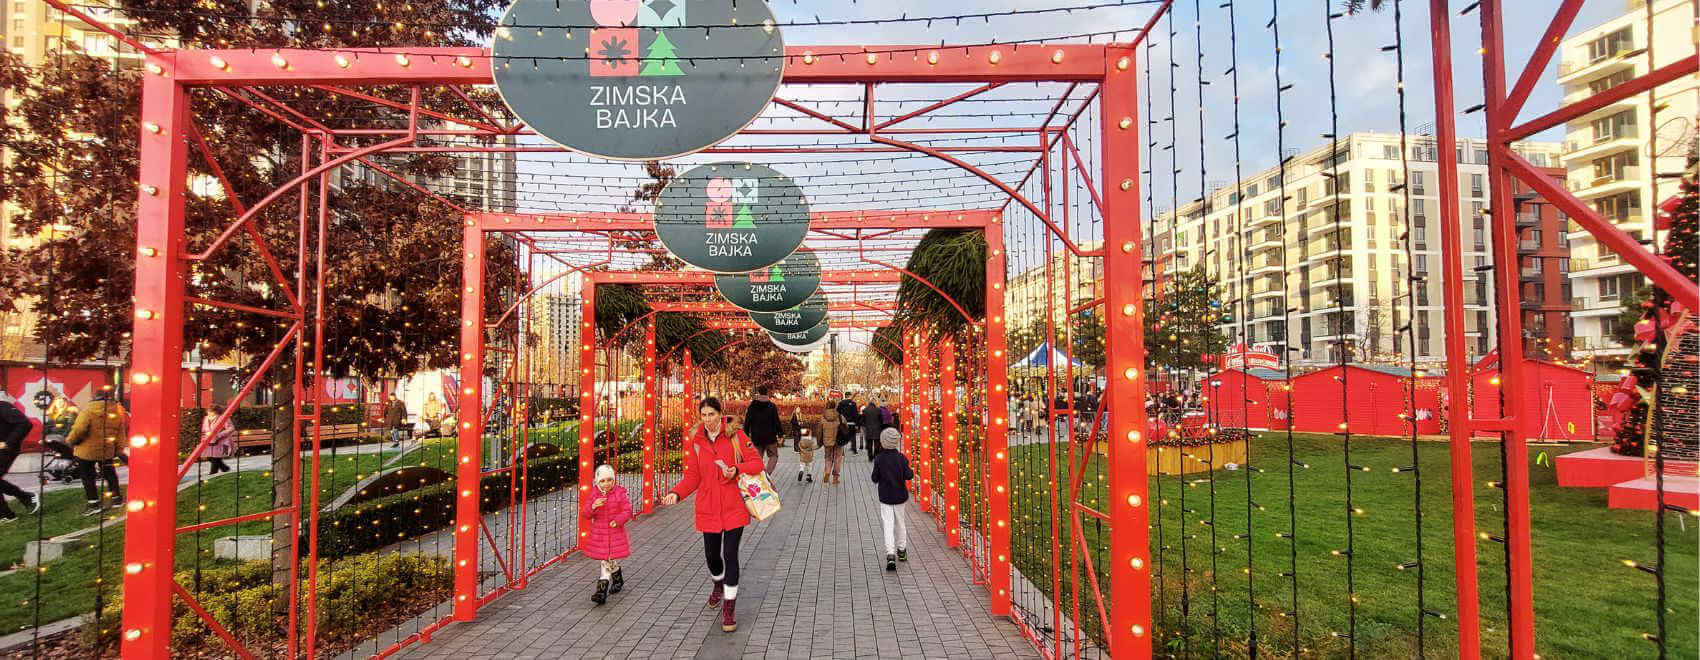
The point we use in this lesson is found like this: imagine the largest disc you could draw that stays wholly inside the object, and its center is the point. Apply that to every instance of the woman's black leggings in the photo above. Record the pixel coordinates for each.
(721, 550)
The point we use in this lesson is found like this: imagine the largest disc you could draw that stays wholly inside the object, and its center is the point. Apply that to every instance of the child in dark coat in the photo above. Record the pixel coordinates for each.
(892, 473)
(609, 509)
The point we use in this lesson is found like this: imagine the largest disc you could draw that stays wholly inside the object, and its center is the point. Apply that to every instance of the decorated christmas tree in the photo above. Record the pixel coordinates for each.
(1659, 315)
(743, 220)
(661, 60)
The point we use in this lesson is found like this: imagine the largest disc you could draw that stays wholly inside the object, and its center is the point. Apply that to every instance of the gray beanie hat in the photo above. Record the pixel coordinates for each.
(890, 438)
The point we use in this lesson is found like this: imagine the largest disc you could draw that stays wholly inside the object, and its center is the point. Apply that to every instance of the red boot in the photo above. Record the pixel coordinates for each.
(715, 596)
(728, 619)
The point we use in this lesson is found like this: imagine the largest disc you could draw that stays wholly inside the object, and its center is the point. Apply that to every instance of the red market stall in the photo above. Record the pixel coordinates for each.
(1241, 398)
(1373, 396)
(1560, 399)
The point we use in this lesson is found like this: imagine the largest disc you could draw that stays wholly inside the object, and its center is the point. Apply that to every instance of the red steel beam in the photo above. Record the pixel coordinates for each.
(1507, 292)
(469, 442)
(723, 306)
(997, 437)
(156, 355)
(819, 220)
(804, 65)
(1129, 630)
(1457, 365)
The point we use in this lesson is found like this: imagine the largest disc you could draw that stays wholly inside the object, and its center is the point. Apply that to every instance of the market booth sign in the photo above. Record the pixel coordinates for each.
(732, 217)
(637, 79)
(776, 288)
(802, 342)
(797, 319)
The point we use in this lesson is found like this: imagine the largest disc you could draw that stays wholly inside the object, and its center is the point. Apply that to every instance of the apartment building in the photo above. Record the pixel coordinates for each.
(1614, 156)
(1069, 282)
(1324, 270)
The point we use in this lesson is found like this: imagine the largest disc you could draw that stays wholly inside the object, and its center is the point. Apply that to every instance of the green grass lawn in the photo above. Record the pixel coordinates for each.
(72, 584)
(1587, 602)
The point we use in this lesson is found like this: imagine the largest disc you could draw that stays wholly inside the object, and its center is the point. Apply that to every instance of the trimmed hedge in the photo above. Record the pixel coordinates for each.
(359, 598)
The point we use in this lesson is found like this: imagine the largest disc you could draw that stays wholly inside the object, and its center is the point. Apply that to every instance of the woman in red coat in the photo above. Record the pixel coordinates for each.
(608, 509)
(713, 458)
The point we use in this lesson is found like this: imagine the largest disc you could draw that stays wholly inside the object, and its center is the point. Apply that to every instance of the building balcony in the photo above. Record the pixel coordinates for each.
(1629, 178)
(1582, 306)
(1267, 243)
(1263, 219)
(1598, 266)
(1583, 149)
(1581, 70)
(1327, 253)
(1267, 293)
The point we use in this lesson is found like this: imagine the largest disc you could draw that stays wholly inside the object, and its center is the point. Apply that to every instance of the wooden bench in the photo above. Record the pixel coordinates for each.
(262, 438)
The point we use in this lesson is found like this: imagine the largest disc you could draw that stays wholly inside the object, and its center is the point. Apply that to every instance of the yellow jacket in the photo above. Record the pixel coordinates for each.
(98, 431)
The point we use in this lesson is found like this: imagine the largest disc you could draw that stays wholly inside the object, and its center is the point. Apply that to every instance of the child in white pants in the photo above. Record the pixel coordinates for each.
(892, 474)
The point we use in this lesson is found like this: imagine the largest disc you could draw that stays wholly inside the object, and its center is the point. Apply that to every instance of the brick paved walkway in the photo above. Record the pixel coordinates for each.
(814, 585)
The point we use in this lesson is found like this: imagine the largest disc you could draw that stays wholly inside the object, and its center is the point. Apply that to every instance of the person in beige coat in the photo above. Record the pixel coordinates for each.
(834, 451)
(95, 439)
(806, 445)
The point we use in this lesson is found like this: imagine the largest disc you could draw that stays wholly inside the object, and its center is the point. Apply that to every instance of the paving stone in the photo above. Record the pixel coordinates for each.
(813, 580)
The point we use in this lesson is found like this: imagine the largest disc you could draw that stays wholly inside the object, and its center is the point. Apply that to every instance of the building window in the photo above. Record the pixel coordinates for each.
(1476, 185)
(1419, 186)
(1538, 159)
(1390, 152)
(1369, 180)
(1609, 288)
(1615, 167)
(1611, 81)
(1610, 45)
(1481, 157)
(1619, 208)
(1618, 126)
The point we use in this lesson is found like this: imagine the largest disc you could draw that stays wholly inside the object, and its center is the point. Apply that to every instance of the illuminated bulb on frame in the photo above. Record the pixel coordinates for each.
(218, 63)
(933, 57)
(279, 62)
(402, 59)
(873, 58)
(132, 634)
(155, 69)
(995, 57)
(341, 61)
(1057, 57)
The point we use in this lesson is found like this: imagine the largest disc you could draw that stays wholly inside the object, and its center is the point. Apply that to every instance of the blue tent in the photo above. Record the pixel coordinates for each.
(1043, 355)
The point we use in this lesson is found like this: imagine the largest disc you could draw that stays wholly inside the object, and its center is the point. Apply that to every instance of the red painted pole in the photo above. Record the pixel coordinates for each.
(1507, 295)
(156, 357)
(588, 401)
(947, 411)
(1457, 363)
(650, 417)
(469, 442)
(1129, 630)
(997, 436)
(923, 418)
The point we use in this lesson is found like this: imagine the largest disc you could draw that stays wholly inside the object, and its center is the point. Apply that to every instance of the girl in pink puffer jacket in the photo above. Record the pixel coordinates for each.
(609, 509)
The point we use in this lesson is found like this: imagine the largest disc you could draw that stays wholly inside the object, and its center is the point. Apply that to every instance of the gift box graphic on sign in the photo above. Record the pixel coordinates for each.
(629, 39)
(717, 212)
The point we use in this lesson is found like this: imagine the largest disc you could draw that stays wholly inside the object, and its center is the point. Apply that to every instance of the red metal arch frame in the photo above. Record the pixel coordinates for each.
(167, 131)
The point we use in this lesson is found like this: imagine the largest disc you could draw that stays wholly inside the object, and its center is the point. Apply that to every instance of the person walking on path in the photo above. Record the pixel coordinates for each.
(223, 440)
(94, 439)
(850, 417)
(14, 427)
(609, 509)
(715, 455)
(830, 424)
(806, 445)
(892, 473)
(872, 424)
(395, 420)
(761, 422)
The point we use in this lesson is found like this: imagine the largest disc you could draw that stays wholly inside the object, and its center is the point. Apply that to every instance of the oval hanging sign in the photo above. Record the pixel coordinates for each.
(804, 341)
(732, 217)
(776, 288)
(637, 79)
(797, 319)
